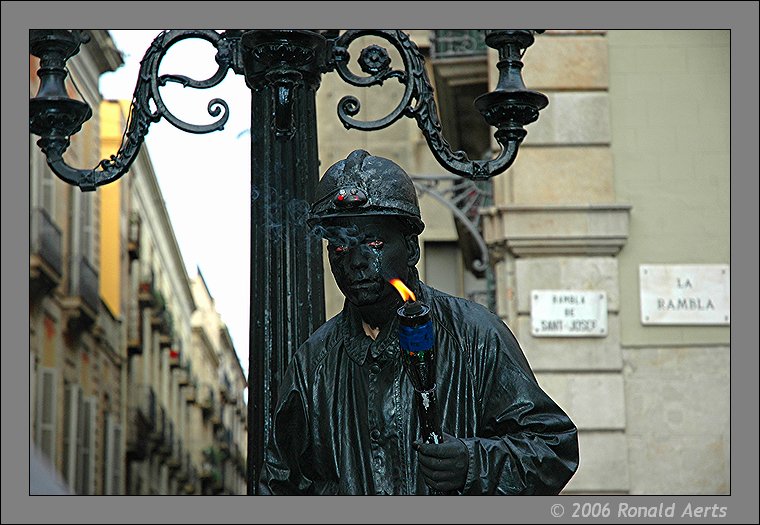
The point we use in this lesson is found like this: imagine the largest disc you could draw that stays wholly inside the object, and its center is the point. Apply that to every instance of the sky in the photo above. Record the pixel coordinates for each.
(204, 179)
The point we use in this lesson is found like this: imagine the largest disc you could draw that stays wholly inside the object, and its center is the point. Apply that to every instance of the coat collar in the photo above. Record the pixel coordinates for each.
(359, 345)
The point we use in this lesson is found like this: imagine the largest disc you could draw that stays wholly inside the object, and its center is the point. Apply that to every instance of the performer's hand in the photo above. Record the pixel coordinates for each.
(444, 465)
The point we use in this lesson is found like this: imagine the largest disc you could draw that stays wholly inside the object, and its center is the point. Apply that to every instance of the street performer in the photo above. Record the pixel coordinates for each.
(346, 420)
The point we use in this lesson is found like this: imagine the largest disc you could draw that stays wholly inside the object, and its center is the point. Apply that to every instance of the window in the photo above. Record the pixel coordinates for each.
(112, 456)
(42, 188)
(442, 267)
(79, 439)
(71, 403)
(45, 420)
(445, 270)
(85, 481)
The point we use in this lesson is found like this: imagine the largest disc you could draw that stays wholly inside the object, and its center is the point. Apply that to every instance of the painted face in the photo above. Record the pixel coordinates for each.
(365, 252)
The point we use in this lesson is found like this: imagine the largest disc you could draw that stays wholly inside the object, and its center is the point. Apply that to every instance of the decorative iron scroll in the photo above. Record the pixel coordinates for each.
(55, 117)
(464, 198)
(417, 102)
(147, 107)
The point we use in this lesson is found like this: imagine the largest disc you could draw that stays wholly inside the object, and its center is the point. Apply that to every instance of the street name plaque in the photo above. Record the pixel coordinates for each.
(568, 313)
(687, 294)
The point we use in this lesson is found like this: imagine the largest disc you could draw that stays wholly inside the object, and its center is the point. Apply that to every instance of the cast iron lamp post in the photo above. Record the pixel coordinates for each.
(283, 69)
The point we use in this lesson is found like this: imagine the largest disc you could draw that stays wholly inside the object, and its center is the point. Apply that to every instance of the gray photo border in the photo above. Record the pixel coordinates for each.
(19, 17)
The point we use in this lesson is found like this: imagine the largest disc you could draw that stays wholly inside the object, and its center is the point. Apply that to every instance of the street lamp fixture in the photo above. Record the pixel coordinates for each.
(283, 70)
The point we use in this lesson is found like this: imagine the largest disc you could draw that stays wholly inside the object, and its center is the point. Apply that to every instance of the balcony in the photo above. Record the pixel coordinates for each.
(453, 43)
(175, 461)
(45, 256)
(82, 302)
(238, 459)
(211, 471)
(215, 417)
(224, 440)
(191, 391)
(142, 410)
(166, 445)
(146, 290)
(183, 473)
(163, 322)
(183, 375)
(157, 435)
(133, 237)
(225, 391)
(175, 356)
(207, 403)
(190, 485)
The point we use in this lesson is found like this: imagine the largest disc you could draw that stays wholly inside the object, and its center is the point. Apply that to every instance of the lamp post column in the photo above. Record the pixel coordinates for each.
(283, 70)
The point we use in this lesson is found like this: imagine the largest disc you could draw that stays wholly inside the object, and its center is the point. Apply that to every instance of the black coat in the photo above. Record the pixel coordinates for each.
(346, 416)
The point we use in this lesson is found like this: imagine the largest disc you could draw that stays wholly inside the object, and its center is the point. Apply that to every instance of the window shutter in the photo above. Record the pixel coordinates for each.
(112, 457)
(71, 402)
(86, 446)
(107, 453)
(45, 420)
(116, 462)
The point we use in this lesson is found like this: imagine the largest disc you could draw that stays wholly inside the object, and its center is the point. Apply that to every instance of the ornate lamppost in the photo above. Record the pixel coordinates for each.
(283, 69)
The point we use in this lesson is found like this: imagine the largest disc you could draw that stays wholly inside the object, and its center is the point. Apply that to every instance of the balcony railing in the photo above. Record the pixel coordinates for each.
(191, 392)
(146, 290)
(451, 43)
(224, 439)
(81, 303)
(142, 409)
(45, 243)
(84, 283)
(159, 430)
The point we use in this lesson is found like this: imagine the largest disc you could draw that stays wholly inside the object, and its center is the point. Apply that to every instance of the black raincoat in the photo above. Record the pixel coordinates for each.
(346, 416)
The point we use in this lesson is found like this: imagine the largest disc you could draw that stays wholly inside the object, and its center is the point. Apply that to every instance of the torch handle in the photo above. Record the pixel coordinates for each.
(430, 425)
(427, 411)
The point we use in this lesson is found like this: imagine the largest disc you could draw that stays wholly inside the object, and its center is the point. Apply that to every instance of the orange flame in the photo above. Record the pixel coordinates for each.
(405, 292)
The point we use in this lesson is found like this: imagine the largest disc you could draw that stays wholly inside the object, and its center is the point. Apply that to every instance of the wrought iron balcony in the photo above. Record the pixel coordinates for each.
(452, 43)
(169, 435)
(183, 473)
(225, 389)
(191, 392)
(216, 415)
(145, 293)
(142, 409)
(183, 374)
(175, 356)
(224, 439)
(207, 402)
(82, 302)
(45, 256)
(159, 430)
(190, 485)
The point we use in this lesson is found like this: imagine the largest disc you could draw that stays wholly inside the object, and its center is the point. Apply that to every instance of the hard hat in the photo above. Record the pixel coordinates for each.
(364, 185)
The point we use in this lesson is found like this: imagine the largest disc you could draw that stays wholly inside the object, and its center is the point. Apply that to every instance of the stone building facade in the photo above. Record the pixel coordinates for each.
(115, 392)
(75, 340)
(181, 437)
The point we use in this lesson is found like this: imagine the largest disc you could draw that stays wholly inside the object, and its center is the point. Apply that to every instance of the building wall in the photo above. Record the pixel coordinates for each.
(75, 347)
(219, 439)
(670, 99)
(619, 171)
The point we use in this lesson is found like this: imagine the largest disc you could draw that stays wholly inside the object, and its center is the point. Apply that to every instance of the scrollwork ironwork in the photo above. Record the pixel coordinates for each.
(417, 102)
(142, 114)
(464, 198)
